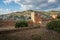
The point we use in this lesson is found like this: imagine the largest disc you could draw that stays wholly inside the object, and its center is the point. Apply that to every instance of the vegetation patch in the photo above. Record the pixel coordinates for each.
(21, 24)
(58, 17)
(54, 25)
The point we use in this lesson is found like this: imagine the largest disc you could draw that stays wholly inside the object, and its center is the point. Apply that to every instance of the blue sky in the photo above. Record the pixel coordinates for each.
(8, 6)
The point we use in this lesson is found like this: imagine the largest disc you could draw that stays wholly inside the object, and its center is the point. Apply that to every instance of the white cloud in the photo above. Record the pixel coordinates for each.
(7, 1)
(4, 11)
(0, 9)
(52, 1)
(27, 7)
(28, 1)
(16, 1)
(27, 4)
(34, 4)
(56, 9)
(8, 11)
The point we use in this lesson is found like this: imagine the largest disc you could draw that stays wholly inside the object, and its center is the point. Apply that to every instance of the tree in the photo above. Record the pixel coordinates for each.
(21, 24)
(54, 25)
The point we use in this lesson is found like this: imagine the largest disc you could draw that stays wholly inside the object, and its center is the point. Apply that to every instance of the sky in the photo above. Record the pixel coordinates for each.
(8, 6)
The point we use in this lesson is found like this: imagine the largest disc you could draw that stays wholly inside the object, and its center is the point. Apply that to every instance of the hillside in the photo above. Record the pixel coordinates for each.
(25, 15)
(15, 15)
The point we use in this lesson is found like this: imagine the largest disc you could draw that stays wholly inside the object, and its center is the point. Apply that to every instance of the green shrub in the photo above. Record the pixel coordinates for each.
(54, 25)
(21, 24)
(58, 17)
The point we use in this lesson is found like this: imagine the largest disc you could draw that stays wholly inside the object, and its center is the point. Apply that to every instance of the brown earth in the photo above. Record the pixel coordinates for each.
(28, 34)
(6, 23)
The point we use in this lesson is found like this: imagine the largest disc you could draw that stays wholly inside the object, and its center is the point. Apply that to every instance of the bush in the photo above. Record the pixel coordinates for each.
(54, 25)
(21, 24)
(58, 17)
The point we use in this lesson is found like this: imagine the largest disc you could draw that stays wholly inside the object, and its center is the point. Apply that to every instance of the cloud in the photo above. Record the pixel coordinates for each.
(35, 4)
(52, 1)
(27, 4)
(1, 9)
(7, 1)
(56, 9)
(4, 11)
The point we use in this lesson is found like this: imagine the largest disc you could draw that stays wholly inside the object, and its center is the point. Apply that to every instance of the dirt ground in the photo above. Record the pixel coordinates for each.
(31, 33)
(28, 34)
